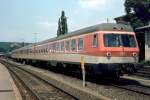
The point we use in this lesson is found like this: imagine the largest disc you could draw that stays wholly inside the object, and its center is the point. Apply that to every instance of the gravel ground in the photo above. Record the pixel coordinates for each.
(103, 89)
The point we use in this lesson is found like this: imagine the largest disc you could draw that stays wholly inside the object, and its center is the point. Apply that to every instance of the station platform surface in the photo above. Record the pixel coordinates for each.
(8, 89)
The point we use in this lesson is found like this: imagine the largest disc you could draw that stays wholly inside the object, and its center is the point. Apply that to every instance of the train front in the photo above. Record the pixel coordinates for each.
(120, 52)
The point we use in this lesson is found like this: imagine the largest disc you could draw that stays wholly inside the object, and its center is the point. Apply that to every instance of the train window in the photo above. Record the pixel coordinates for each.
(112, 40)
(57, 46)
(45, 50)
(80, 44)
(117, 40)
(62, 46)
(73, 45)
(128, 40)
(54, 46)
(95, 40)
(67, 45)
(50, 47)
(46, 47)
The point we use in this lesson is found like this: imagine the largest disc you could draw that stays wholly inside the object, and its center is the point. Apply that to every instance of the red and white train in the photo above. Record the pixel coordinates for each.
(107, 48)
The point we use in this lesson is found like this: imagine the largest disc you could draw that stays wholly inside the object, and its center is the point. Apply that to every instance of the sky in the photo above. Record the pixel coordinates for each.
(20, 19)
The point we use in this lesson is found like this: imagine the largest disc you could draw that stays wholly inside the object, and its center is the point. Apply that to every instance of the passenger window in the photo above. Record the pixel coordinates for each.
(58, 46)
(49, 47)
(62, 46)
(80, 44)
(73, 45)
(67, 45)
(54, 46)
(95, 40)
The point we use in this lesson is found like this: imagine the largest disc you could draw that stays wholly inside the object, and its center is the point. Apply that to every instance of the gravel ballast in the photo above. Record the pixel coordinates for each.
(91, 89)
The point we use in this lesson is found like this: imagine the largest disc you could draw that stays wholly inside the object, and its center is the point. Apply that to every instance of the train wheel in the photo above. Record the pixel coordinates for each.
(130, 69)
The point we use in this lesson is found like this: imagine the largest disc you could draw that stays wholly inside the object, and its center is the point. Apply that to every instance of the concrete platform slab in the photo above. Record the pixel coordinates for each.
(7, 96)
(8, 90)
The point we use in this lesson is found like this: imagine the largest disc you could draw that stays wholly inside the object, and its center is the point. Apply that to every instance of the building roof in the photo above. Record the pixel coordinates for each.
(122, 17)
(143, 28)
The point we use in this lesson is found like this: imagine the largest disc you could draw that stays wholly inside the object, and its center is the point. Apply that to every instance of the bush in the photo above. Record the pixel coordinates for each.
(145, 62)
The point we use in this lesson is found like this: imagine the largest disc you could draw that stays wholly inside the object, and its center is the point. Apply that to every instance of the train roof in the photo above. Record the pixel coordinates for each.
(98, 27)
(25, 47)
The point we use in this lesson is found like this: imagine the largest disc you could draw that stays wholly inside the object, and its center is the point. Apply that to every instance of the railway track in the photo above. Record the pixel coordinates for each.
(132, 86)
(37, 88)
(144, 72)
(125, 84)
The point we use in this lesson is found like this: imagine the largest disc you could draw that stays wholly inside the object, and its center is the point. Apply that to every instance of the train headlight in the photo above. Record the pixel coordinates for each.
(134, 54)
(108, 54)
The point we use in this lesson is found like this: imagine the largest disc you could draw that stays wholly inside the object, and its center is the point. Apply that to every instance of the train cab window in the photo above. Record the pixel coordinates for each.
(95, 40)
(112, 40)
(80, 43)
(128, 40)
(117, 40)
(67, 45)
(62, 46)
(73, 45)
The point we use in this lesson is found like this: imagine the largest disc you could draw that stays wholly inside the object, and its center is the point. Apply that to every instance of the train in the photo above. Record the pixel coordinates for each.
(107, 49)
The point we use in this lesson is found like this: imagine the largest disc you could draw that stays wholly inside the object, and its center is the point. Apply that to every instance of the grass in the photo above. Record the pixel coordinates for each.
(145, 63)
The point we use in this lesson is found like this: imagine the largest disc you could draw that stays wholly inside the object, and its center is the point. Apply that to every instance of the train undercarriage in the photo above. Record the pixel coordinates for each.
(107, 70)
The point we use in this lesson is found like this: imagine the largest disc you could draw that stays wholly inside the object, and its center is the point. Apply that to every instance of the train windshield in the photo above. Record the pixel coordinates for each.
(118, 40)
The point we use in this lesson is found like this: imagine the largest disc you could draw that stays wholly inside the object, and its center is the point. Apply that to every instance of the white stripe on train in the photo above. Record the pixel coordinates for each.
(76, 58)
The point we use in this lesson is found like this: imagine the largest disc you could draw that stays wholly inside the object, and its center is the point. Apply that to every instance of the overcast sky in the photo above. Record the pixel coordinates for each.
(19, 19)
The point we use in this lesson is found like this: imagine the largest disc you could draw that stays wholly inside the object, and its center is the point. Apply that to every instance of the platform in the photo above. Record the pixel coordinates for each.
(8, 90)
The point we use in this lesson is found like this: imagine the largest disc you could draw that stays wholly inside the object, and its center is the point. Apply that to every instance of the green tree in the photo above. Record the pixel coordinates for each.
(59, 28)
(14, 46)
(138, 11)
(3, 50)
(62, 25)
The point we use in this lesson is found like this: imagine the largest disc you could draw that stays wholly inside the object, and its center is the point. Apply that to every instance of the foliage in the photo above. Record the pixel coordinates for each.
(62, 24)
(6, 47)
(145, 63)
(138, 12)
(2, 50)
(135, 22)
